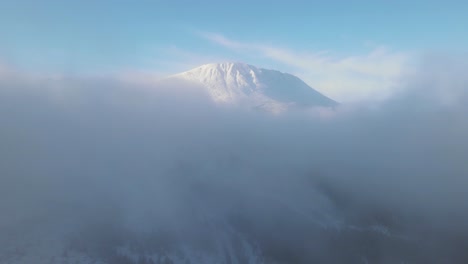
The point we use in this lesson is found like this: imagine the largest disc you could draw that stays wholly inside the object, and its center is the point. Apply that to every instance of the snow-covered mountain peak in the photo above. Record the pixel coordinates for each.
(241, 83)
(226, 81)
(228, 66)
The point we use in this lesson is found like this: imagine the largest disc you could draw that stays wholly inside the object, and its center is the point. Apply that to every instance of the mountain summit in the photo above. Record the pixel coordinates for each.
(240, 83)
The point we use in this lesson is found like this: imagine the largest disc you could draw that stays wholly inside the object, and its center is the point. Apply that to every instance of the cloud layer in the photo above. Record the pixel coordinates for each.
(121, 173)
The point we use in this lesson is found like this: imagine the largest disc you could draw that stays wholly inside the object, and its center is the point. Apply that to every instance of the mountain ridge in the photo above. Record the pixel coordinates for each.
(245, 84)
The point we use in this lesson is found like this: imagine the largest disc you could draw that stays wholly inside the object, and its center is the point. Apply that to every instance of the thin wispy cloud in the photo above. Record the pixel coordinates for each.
(222, 40)
(345, 78)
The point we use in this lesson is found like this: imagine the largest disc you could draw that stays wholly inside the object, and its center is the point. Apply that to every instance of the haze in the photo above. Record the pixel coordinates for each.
(105, 160)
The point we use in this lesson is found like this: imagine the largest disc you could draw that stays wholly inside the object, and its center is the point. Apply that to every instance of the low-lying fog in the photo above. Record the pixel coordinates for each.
(103, 171)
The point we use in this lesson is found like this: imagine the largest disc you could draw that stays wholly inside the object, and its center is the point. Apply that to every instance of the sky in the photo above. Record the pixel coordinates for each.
(347, 50)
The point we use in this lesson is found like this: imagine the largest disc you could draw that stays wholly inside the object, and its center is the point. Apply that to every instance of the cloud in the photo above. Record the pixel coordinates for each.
(344, 78)
(96, 169)
(222, 40)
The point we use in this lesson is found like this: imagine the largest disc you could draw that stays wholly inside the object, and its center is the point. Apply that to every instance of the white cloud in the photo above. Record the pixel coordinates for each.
(344, 78)
(111, 164)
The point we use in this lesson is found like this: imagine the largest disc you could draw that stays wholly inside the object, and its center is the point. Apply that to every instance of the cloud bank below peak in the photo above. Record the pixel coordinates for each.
(152, 172)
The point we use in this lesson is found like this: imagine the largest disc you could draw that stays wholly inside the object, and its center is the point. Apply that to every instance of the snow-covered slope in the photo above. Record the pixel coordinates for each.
(243, 84)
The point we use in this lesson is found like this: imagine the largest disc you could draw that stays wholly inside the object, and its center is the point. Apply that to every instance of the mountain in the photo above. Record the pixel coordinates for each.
(244, 84)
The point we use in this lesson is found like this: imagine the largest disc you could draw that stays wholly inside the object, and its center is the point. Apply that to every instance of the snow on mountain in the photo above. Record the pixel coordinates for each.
(244, 84)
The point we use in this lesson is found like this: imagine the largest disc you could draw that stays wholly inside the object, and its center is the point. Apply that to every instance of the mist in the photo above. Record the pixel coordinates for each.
(104, 171)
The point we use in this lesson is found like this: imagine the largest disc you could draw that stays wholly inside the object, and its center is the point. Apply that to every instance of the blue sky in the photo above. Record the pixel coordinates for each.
(166, 37)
